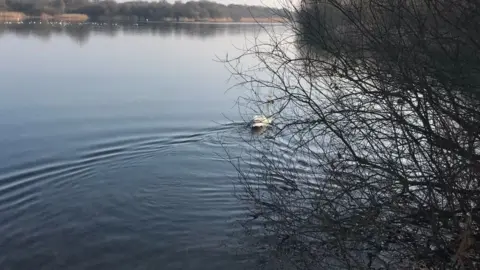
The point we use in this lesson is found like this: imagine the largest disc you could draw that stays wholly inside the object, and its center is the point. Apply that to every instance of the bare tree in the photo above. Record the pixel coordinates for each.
(374, 158)
(60, 6)
(3, 5)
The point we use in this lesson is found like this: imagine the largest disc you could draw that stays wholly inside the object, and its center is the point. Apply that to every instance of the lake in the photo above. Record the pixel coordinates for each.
(110, 147)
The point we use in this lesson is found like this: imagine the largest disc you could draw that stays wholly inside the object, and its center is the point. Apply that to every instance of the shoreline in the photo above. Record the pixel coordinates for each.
(18, 17)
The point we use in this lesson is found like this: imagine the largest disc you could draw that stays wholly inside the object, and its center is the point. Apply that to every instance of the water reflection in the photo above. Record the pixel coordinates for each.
(81, 33)
(110, 152)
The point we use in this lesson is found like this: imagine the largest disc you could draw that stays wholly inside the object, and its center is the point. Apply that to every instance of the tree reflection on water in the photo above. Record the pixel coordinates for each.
(80, 33)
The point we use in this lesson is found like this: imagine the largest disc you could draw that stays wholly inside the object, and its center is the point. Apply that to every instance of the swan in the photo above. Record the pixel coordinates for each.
(260, 121)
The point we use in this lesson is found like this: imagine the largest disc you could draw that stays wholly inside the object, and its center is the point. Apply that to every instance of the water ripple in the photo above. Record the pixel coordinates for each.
(20, 186)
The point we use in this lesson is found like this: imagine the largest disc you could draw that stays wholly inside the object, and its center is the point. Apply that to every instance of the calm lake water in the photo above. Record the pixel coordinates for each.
(109, 141)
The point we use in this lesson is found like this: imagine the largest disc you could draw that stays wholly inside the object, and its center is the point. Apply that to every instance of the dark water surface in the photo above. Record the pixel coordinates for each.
(109, 147)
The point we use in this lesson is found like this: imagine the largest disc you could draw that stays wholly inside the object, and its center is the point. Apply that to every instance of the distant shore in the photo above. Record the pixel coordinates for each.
(79, 18)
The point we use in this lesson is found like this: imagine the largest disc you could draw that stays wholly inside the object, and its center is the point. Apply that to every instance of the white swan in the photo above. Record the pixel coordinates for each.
(261, 121)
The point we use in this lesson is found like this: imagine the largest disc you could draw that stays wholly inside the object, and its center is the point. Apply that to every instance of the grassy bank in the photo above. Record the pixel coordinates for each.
(11, 16)
(135, 19)
(74, 18)
(79, 18)
(19, 16)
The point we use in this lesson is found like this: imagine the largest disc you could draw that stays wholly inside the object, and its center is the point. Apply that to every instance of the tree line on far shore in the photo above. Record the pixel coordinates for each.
(141, 9)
